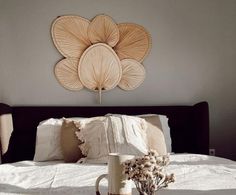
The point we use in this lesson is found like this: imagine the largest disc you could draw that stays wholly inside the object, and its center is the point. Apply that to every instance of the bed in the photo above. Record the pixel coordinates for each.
(196, 172)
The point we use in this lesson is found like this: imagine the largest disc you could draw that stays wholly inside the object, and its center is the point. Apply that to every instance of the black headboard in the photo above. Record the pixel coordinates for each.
(189, 125)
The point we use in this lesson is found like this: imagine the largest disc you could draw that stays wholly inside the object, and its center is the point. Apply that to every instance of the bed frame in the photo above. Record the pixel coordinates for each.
(189, 125)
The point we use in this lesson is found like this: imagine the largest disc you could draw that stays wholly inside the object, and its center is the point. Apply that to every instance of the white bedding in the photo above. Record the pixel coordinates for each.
(195, 174)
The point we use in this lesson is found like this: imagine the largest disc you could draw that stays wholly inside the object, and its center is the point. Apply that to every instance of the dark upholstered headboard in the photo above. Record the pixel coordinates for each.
(189, 125)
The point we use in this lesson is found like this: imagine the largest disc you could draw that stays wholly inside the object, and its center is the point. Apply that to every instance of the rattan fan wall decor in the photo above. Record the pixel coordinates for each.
(103, 29)
(134, 42)
(66, 72)
(133, 74)
(99, 54)
(100, 68)
(70, 35)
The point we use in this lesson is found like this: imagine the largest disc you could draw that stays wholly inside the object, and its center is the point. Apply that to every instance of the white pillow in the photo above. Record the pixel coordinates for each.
(48, 140)
(117, 133)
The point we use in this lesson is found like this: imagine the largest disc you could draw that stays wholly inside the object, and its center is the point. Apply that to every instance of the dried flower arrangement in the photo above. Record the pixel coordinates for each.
(148, 172)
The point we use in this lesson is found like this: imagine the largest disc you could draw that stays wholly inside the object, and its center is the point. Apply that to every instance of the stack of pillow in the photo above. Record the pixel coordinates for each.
(92, 139)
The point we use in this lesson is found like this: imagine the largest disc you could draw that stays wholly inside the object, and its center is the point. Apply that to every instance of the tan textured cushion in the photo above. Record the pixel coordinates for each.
(69, 142)
(153, 119)
(155, 136)
(156, 139)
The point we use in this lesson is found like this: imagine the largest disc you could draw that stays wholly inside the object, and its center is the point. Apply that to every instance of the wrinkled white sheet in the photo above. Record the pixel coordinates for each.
(195, 174)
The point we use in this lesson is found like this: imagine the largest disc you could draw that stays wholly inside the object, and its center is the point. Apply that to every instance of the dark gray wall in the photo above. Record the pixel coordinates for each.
(193, 57)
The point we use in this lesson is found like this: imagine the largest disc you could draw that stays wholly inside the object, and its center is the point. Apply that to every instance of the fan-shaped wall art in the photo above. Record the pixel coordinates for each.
(100, 68)
(99, 54)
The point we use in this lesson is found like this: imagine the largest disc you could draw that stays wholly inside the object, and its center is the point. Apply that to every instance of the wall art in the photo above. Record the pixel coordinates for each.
(99, 54)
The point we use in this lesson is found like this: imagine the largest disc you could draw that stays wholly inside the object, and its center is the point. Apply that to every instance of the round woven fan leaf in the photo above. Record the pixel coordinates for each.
(66, 72)
(69, 34)
(133, 74)
(134, 42)
(103, 29)
(99, 68)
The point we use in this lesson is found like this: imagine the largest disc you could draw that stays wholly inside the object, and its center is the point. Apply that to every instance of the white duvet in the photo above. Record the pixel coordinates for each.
(195, 174)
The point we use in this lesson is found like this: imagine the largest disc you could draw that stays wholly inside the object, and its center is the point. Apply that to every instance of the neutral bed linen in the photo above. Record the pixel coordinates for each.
(195, 174)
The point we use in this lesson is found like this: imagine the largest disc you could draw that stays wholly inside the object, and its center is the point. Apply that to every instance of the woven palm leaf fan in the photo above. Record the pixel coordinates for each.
(70, 35)
(102, 29)
(99, 68)
(133, 74)
(66, 72)
(134, 42)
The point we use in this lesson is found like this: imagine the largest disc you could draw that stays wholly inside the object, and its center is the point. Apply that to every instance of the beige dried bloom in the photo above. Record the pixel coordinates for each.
(148, 172)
